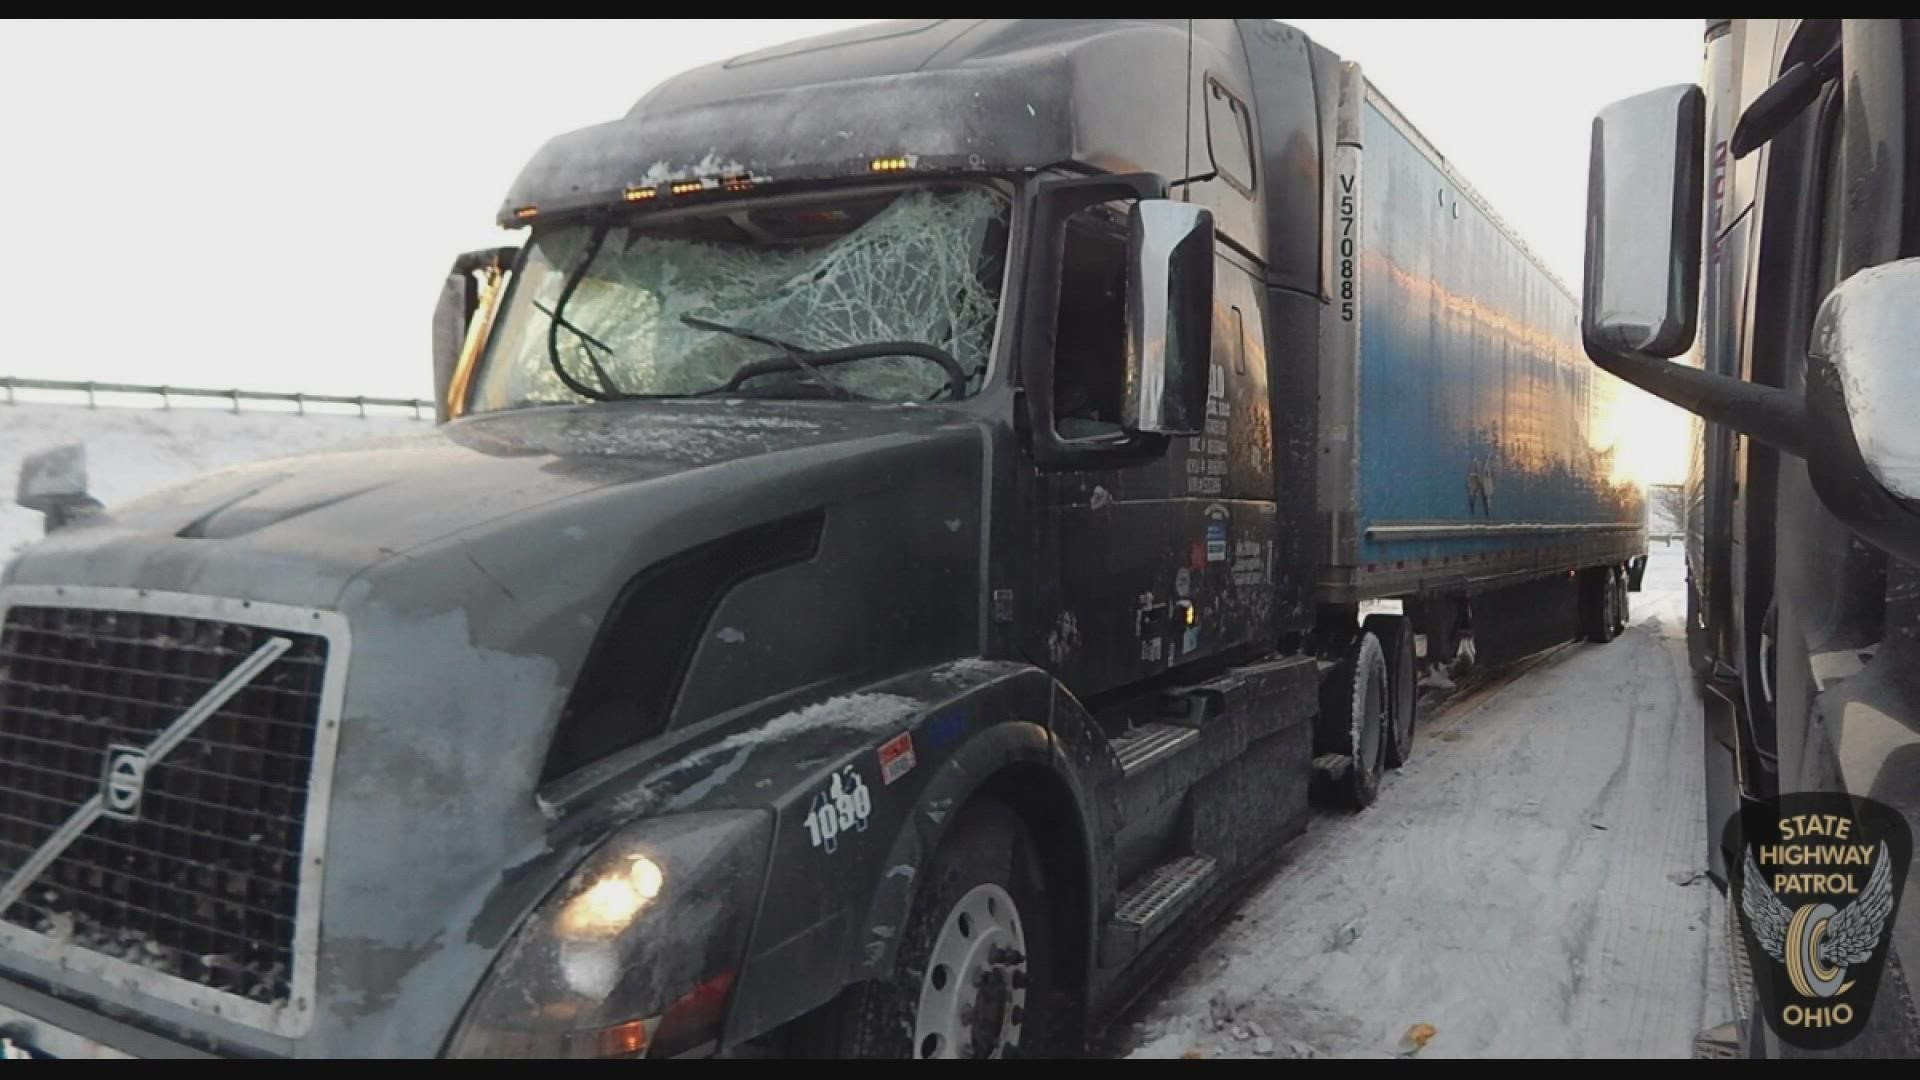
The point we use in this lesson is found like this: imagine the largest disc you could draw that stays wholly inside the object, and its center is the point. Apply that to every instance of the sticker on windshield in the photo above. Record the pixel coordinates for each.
(843, 808)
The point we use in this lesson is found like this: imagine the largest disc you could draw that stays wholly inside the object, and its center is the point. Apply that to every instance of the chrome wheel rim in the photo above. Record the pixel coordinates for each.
(973, 995)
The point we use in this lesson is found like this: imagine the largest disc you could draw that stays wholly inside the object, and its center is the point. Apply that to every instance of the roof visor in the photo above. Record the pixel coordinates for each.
(1003, 118)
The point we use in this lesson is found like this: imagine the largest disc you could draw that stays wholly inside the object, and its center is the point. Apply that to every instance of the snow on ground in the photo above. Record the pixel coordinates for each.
(1531, 884)
(134, 451)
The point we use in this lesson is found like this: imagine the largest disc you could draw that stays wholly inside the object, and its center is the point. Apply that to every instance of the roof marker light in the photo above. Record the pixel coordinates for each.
(890, 164)
(642, 194)
(527, 213)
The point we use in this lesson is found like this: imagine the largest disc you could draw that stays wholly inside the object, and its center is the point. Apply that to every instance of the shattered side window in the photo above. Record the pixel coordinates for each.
(921, 266)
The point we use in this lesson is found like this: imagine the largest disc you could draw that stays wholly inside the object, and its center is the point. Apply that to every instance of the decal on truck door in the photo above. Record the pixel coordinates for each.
(1207, 453)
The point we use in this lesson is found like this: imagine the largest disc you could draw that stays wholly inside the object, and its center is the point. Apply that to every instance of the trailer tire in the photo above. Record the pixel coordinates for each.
(1599, 604)
(1354, 719)
(982, 892)
(1396, 641)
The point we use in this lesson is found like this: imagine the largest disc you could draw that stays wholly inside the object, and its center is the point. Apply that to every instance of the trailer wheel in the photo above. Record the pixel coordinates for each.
(1599, 605)
(974, 973)
(1354, 720)
(1396, 641)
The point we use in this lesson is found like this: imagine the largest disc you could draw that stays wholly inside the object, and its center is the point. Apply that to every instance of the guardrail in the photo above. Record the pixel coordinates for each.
(10, 384)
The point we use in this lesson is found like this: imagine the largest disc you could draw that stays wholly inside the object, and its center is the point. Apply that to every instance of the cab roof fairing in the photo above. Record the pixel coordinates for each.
(1079, 100)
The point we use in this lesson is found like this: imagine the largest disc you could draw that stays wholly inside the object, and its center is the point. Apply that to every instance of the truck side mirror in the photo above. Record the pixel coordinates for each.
(1643, 222)
(1863, 387)
(451, 316)
(54, 482)
(1169, 321)
(1642, 295)
(457, 335)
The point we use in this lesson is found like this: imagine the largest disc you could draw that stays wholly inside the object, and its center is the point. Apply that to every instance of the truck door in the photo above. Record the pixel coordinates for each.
(1146, 562)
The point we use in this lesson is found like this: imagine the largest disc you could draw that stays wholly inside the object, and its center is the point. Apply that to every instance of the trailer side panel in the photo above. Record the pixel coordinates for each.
(1485, 444)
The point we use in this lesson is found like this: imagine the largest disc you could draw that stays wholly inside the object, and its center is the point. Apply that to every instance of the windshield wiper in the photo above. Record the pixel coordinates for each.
(579, 273)
(588, 344)
(797, 354)
(811, 360)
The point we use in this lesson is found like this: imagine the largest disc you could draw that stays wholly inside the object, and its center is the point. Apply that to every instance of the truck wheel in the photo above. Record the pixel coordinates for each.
(1354, 721)
(1623, 601)
(973, 976)
(1396, 641)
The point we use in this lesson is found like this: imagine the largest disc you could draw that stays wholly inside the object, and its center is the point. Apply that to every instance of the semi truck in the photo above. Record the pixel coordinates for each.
(912, 527)
(1779, 201)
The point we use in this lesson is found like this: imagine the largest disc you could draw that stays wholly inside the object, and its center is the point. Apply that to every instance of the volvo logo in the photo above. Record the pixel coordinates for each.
(125, 782)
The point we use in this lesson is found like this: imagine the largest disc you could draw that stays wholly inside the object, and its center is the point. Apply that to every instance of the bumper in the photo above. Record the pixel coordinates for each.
(54, 1028)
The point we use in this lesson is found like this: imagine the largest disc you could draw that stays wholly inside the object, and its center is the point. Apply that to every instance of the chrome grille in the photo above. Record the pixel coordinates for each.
(201, 880)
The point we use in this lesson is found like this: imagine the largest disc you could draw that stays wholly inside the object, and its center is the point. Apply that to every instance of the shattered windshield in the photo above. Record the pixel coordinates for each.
(886, 297)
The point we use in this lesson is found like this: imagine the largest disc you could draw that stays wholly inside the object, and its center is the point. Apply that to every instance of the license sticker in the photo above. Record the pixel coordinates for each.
(896, 757)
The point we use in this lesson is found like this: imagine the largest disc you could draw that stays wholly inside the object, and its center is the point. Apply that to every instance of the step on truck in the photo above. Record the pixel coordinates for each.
(912, 525)
(1777, 204)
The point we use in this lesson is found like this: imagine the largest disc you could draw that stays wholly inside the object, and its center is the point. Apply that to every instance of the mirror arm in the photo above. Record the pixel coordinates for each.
(1774, 416)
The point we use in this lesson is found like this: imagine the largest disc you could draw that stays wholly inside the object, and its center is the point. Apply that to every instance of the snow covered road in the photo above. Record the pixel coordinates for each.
(1531, 884)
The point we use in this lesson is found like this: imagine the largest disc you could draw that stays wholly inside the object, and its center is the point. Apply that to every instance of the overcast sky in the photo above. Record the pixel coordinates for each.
(273, 205)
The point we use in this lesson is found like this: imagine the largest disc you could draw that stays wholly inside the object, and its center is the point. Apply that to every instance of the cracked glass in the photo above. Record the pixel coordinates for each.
(678, 304)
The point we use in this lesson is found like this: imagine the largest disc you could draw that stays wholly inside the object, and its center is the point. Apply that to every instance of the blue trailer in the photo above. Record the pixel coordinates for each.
(1468, 451)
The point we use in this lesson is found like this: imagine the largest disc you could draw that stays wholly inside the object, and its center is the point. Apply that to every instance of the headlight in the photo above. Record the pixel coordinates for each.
(635, 953)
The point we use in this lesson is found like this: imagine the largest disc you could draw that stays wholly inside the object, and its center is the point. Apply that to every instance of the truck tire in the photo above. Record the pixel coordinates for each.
(1599, 604)
(973, 976)
(1622, 601)
(1354, 721)
(1396, 641)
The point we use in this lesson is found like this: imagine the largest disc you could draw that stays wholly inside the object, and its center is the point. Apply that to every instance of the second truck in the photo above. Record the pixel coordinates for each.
(1776, 208)
(911, 525)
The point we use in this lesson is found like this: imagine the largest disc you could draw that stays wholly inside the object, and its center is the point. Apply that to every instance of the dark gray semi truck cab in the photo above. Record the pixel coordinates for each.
(866, 591)
(1776, 208)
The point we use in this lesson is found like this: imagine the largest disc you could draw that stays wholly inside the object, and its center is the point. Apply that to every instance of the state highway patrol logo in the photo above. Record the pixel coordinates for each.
(1816, 880)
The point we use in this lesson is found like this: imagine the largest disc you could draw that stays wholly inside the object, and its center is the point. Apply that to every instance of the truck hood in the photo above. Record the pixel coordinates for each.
(296, 530)
(471, 571)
